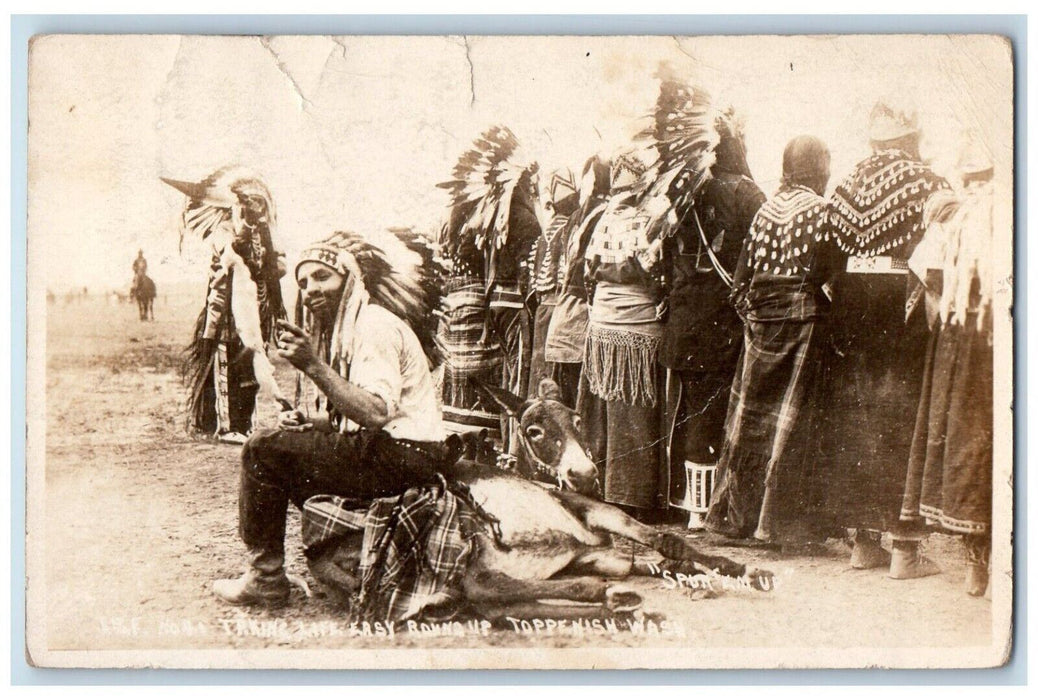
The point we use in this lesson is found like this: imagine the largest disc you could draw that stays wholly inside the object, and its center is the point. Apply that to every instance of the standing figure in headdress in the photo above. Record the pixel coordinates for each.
(233, 210)
(367, 423)
(704, 174)
(878, 216)
(950, 468)
(568, 326)
(558, 202)
(622, 382)
(486, 242)
(764, 480)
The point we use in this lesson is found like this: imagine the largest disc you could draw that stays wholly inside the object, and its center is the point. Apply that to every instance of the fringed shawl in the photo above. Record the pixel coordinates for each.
(959, 245)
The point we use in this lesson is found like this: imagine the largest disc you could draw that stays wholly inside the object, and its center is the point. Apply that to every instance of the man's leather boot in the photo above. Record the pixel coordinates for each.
(264, 583)
(261, 522)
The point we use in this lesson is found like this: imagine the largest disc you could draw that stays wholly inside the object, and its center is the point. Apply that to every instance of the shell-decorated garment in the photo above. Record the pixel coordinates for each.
(786, 231)
(878, 209)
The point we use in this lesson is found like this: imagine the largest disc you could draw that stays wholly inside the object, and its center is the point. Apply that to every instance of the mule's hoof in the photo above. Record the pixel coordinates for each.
(761, 579)
(300, 582)
(619, 599)
(673, 546)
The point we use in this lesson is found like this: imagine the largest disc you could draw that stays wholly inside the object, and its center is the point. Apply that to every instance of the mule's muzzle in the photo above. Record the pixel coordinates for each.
(577, 472)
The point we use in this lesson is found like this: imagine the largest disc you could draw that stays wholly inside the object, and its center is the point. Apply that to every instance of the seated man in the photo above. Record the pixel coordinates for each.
(366, 344)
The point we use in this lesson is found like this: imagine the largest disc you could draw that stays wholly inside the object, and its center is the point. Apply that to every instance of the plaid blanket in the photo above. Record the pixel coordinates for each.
(768, 424)
(415, 547)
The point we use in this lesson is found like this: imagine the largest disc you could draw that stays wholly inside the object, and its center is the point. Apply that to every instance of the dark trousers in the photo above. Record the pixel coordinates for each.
(279, 467)
(567, 376)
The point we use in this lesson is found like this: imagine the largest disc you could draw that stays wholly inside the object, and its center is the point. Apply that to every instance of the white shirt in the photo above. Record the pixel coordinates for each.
(388, 361)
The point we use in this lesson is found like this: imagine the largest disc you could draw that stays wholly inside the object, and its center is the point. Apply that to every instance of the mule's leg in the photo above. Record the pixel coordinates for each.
(613, 563)
(602, 516)
(494, 587)
(602, 562)
(484, 587)
(544, 617)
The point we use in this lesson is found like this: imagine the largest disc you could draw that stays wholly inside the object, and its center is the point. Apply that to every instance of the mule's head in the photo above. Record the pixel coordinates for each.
(550, 437)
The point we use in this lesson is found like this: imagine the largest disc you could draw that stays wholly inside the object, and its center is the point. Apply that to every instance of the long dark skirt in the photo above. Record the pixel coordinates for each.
(949, 477)
(626, 446)
(869, 398)
(765, 471)
(567, 376)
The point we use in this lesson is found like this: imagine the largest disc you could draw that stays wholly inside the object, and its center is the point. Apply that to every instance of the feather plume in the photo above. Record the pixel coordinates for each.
(483, 186)
(685, 135)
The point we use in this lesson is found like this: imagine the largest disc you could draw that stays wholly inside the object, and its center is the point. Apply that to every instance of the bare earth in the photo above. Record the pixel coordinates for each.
(142, 516)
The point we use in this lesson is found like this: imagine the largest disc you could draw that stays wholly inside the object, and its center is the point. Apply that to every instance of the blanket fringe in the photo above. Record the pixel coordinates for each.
(621, 365)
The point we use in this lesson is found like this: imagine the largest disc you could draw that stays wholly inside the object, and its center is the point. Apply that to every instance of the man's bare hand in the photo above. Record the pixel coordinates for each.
(294, 345)
(293, 421)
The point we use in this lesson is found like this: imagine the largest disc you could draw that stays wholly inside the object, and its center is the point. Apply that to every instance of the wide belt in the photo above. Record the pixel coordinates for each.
(877, 265)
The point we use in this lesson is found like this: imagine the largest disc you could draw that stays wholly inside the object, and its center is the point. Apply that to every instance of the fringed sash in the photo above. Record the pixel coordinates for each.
(623, 344)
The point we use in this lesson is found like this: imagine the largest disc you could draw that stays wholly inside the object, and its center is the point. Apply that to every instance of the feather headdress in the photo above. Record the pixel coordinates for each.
(236, 197)
(398, 271)
(484, 186)
(686, 131)
(231, 194)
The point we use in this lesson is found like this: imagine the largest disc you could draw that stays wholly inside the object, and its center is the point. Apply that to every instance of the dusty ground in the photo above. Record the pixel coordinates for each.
(142, 516)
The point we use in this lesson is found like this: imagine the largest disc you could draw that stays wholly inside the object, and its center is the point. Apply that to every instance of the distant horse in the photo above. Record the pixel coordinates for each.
(143, 291)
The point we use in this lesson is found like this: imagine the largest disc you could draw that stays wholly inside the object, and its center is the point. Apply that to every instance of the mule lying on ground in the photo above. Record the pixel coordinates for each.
(554, 543)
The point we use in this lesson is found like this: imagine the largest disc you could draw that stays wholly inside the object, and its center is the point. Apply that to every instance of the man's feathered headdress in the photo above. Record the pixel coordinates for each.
(686, 132)
(483, 187)
(231, 194)
(399, 272)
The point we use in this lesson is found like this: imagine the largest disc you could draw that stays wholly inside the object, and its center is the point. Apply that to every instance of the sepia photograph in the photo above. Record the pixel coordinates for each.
(520, 352)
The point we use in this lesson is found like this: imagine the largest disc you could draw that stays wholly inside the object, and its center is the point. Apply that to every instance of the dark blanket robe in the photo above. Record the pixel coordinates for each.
(949, 473)
(874, 370)
(703, 333)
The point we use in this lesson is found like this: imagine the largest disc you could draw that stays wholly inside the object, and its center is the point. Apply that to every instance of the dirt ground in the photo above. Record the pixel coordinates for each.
(142, 516)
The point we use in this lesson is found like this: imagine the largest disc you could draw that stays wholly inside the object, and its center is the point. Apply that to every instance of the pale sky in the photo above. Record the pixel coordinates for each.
(355, 132)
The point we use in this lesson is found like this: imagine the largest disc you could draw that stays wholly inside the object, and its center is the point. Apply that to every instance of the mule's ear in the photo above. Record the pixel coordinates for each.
(548, 390)
(506, 400)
